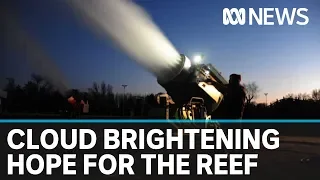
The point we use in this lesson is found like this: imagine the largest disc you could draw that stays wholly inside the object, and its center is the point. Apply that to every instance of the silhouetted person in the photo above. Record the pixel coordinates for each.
(235, 97)
(74, 107)
(232, 106)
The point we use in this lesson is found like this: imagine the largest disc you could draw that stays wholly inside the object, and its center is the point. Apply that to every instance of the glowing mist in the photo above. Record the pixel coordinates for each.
(132, 30)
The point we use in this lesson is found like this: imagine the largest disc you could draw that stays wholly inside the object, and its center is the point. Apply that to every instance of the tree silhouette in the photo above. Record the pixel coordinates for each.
(94, 90)
(102, 98)
(289, 96)
(316, 94)
(252, 91)
(37, 79)
(38, 95)
(110, 100)
(303, 96)
(103, 89)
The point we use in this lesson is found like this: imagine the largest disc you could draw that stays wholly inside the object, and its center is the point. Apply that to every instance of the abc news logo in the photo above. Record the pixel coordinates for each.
(265, 16)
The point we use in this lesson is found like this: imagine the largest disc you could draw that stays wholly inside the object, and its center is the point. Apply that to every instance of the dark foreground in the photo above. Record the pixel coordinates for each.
(282, 164)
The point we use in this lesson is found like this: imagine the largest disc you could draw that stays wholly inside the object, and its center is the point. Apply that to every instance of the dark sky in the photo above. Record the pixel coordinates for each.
(281, 59)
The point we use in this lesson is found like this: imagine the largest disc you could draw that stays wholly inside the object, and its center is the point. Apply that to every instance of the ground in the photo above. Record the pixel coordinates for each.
(285, 162)
(281, 164)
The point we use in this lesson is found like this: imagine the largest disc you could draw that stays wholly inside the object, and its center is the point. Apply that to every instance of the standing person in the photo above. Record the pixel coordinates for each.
(73, 106)
(232, 106)
(235, 102)
(235, 97)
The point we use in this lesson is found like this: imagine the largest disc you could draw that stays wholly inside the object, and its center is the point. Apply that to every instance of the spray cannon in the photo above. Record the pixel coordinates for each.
(195, 89)
(192, 87)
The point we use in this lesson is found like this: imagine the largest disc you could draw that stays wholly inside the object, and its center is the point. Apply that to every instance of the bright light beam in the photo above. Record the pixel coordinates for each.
(132, 30)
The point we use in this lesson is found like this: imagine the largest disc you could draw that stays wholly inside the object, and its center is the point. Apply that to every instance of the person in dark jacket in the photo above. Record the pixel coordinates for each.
(234, 98)
(232, 106)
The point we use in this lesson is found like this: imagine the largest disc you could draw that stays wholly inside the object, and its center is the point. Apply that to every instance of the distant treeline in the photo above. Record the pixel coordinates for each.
(39, 96)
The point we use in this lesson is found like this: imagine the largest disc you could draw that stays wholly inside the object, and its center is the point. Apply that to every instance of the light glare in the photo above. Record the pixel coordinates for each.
(197, 59)
(187, 63)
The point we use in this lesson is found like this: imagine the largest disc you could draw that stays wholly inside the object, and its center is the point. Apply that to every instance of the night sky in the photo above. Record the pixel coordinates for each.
(280, 59)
